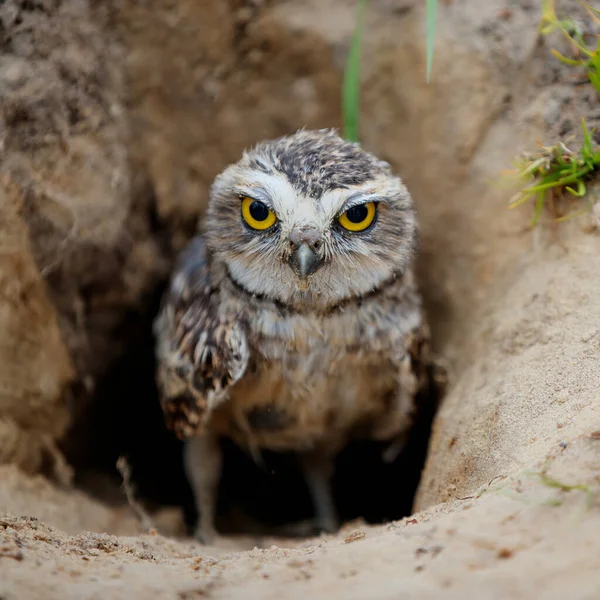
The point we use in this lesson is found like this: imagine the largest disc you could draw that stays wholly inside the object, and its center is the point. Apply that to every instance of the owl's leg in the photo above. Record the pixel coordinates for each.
(318, 471)
(203, 463)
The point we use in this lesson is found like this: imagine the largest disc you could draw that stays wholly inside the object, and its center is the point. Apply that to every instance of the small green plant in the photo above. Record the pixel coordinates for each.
(589, 57)
(351, 84)
(564, 487)
(555, 170)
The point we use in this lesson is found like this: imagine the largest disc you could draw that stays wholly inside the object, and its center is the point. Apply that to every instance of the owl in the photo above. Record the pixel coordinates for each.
(292, 321)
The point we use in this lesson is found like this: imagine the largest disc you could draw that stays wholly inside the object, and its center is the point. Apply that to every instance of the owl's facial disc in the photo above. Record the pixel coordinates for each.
(310, 220)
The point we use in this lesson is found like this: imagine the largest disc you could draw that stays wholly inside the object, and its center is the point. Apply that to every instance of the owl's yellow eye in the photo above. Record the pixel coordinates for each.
(359, 217)
(256, 214)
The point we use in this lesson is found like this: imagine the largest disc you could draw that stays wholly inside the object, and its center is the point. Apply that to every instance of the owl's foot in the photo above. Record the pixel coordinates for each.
(326, 524)
(318, 469)
(206, 535)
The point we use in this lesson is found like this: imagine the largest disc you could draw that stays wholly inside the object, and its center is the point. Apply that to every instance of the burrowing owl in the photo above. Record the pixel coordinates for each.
(293, 321)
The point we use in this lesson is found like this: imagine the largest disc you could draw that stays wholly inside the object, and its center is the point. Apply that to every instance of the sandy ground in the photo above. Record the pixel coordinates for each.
(115, 119)
(516, 538)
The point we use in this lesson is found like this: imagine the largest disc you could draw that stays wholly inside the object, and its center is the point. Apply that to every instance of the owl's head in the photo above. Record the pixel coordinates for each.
(310, 220)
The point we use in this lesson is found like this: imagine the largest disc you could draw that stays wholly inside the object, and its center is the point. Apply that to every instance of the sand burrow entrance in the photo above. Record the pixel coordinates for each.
(123, 418)
(109, 167)
(115, 120)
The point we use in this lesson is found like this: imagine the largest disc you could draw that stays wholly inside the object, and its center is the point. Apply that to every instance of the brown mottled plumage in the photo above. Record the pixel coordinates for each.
(301, 336)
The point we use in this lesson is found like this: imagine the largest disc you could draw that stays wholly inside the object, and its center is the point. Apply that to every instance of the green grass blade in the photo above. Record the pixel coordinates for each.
(592, 11)
(565, 60)
(579, 192)
(587, 136)
(539, 205)
(519, 199)
(572, 215)
(351, 84)
(561, 181)
(430, 28)
(595, 79)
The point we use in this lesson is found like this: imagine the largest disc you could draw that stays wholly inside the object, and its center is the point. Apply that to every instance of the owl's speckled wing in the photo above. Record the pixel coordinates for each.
(201, 348)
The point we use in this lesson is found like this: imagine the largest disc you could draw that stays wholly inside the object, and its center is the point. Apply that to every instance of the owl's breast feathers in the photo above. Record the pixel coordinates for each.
(309, 375)
(201, 349)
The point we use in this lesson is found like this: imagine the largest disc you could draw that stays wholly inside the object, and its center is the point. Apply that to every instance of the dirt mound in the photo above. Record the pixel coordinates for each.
(34, 365)
(115, 118)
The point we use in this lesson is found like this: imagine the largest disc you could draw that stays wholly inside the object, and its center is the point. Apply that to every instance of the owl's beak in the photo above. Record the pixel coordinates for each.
(304, 261)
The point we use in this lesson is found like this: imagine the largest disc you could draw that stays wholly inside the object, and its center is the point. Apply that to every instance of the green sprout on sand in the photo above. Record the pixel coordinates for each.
(556, 170)
(565, 487)
(587, 57)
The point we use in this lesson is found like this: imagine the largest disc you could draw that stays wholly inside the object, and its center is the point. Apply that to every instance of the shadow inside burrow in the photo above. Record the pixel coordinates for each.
(124, 419)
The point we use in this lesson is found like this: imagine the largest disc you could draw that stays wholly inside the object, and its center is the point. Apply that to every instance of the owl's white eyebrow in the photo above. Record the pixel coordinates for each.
(256, 194)
(357, 199)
